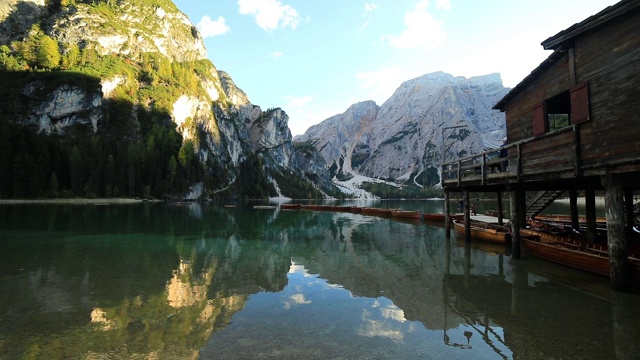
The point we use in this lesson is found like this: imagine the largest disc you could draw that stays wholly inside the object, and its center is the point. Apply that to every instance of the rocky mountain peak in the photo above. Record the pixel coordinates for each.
(134, 75)
(402, 139)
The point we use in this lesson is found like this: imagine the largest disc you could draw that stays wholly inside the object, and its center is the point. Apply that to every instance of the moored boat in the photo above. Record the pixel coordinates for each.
(406, 214)
(560, 218)
(375, 211)
(485, 231)
(593, 258)
(440, 216)
(291, 206)
(316, 207)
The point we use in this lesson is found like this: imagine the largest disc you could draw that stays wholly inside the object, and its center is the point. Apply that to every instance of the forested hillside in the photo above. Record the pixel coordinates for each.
(117, 98)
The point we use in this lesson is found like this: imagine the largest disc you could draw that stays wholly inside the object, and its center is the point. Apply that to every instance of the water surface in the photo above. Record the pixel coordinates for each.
(156, 281)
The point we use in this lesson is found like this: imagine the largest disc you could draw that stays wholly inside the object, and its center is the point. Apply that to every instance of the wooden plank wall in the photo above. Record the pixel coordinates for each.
(550, 155)
(518, 112)
(609, 60)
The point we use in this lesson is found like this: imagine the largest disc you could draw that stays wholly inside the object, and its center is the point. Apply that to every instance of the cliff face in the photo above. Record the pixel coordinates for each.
(403, 139)
(138, 56)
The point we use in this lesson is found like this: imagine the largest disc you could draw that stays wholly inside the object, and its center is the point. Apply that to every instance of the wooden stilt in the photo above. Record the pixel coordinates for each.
(616, 239)
(467, 218)
(515, 223)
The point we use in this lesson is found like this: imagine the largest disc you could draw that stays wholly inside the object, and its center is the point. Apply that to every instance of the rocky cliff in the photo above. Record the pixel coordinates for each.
(121, 69)
(405, 139)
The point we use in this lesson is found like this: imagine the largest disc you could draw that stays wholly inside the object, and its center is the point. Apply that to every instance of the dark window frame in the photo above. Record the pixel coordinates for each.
(562, 110)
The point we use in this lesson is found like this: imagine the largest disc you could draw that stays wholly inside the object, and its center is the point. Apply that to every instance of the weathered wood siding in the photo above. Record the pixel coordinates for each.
(519, 111)
(552, 154)
(609, 60)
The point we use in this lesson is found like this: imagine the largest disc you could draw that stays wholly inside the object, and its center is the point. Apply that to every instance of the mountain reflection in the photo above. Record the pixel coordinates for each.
(165, 281)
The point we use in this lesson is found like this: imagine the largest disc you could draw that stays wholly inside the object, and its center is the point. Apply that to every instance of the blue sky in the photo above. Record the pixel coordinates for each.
(314, 58)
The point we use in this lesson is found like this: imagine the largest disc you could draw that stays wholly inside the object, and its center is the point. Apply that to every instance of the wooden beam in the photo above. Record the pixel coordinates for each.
(616, 239)
(572, 65)
(515, 224)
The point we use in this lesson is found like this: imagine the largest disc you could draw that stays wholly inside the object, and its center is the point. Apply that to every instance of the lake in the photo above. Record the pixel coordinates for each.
(199, 281)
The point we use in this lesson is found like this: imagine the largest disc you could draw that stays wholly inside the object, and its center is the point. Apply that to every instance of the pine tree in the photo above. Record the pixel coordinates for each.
(48, 54)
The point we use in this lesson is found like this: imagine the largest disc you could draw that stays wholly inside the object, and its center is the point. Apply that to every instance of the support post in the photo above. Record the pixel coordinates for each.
(467, 218)
(590, 209)
(500, 219)
(514, 205)
(616, 239)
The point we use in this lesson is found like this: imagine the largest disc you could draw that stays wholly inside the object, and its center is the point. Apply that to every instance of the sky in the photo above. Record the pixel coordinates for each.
(315, 58)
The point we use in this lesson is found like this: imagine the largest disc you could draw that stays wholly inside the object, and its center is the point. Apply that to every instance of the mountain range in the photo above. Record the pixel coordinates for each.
(110, 98)
(430, 118)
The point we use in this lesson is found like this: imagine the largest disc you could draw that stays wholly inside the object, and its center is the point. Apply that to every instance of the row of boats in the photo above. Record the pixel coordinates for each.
(552, 238)
(371, 211)
(549, 237)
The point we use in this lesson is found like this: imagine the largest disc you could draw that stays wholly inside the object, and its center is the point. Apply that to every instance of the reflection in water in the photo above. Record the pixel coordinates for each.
(162, 281)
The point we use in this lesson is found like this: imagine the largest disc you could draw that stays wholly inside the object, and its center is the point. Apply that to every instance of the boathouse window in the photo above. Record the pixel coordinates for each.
(567, 108)
(552, 114)
(558, 111)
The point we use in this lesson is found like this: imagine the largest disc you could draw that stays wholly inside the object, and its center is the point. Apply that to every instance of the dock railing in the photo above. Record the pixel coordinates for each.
(481, 167)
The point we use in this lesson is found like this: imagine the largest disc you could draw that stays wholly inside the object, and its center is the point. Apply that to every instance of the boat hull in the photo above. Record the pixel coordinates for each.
(416, 215)
(563, 255)
(440, 217)
(484, 232)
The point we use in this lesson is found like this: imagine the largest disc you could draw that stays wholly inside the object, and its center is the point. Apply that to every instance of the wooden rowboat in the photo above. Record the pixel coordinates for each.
(588, 257)
(485, 232)
(375, 211)
(316, 207)
(566, 218)
(406, 214)
(290, 206)
(440, 217)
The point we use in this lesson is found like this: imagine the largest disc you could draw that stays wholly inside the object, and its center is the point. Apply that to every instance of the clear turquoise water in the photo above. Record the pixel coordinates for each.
(156, 281)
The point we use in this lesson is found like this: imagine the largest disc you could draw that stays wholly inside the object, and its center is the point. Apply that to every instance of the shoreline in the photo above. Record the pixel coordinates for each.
(104, 201)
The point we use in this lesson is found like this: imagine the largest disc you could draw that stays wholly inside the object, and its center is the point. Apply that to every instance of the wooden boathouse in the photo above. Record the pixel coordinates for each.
(573, 126)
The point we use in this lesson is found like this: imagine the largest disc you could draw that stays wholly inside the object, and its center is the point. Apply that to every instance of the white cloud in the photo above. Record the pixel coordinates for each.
(422, 29)
(369, 8)
(297, 101)
(380, 85)
(209, 28)
(300, 119)
(270, 14)
(276, 54)
(443, 4)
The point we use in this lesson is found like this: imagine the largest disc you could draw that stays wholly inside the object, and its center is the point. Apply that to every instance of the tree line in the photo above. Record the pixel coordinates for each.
(36, 165)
